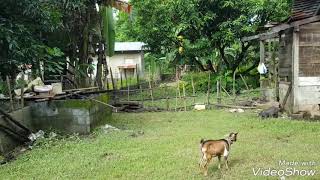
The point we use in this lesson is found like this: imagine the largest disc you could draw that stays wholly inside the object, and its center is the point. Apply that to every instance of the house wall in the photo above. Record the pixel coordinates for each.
(285, 56)
(308, 96)
(125, 58)
(285, 68)
(309, 52)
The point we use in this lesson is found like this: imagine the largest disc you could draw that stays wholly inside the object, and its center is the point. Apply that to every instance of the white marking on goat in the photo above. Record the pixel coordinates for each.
(225, 152)
(203, 149)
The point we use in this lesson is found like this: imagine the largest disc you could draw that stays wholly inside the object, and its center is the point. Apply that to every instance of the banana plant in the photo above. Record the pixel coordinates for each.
(108, 21)
(107, 29)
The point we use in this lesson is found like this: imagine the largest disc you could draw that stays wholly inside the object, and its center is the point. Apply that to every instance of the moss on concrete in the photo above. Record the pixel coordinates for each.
(81, 103)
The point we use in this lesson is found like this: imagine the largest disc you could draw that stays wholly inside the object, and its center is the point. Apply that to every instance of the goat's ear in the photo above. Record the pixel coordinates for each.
(236, 133)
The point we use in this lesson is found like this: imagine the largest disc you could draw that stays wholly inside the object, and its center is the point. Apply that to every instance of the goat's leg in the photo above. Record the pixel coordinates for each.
(208, 159)
(200, 162)
(226, 161)
(203, 161)
(205, 168)
(219, 165)
(202, 158)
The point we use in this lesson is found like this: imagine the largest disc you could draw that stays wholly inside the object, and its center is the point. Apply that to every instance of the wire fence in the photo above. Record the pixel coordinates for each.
(173, 96)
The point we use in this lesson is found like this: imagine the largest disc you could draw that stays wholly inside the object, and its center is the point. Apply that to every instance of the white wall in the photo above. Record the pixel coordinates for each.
(122, 59)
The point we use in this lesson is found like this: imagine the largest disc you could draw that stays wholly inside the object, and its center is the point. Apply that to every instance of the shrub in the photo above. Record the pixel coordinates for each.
(200, 80)
(3, 87)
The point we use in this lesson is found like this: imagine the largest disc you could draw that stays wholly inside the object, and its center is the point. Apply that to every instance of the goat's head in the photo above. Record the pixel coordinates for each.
(233, 137)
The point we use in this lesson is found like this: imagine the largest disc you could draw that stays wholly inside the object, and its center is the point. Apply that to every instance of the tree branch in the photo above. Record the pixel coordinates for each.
(200, 65)
(210, 66)
(223, 56)
(250, 68)
(240, 57)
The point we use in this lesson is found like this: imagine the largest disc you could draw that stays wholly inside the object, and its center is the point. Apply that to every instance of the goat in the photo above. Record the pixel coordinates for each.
(215, 148)
(272, 112)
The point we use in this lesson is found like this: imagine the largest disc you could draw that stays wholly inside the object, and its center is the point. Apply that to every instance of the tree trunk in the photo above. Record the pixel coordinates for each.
(83, 59)
(99, 67)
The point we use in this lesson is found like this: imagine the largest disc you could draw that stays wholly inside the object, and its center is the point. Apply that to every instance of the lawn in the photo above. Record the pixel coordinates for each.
(168, 148)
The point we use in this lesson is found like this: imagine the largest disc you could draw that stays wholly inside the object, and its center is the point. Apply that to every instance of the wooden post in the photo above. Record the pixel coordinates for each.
(175, 108)
(225, 91)
(262, 58)
(269, 57)
(154, 78)
(112, 80)
(179, 93)
(193, 91)
(141, 94)
(208, 92)
(129, 92)
(220, 87)
(22, 90)
(295, 70)
(107, 81)
(184, 97)
(10, 94)
(244, 81)
(218, 91)
(150, 75)
(125, 76)
(167, 97)
(275, 73)
(121, 83)
(262, 51)
(150, 86)
(283, 104)
(234, 85)
(137, 74)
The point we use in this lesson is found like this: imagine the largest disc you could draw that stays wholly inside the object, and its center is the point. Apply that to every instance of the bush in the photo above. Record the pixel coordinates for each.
(3, 87)
(200, 80)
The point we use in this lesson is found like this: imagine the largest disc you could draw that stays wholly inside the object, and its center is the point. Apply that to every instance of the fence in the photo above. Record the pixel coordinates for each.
(174, 97)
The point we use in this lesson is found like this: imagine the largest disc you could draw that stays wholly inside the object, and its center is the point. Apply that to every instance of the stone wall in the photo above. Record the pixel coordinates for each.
(65, 116)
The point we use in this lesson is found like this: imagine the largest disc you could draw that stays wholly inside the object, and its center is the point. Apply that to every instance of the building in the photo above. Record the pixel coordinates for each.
(127, 60)
(297, 73)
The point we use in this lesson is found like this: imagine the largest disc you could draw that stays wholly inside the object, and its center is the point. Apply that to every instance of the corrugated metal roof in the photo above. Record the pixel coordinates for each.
(303, 9)
(129, 46)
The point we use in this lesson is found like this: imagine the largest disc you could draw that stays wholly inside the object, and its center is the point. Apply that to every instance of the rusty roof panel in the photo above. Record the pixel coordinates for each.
(303, 9)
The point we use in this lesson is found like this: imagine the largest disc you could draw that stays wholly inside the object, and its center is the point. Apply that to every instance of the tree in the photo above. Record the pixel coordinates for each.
(226, 22)
(125, 28)
(24, 26)
(211, 30)
(46, 32)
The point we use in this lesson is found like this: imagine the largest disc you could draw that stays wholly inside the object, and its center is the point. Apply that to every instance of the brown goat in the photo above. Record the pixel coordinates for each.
(215, 148)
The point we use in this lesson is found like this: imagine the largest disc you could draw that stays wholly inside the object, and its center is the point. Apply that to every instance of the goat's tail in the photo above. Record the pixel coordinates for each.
(202, 141)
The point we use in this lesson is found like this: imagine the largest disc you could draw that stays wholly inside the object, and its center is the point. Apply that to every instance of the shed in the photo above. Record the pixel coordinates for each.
(128, 59)
(296, 74)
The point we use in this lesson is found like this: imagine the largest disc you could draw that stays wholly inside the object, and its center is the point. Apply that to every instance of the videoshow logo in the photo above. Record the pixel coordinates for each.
(283, 172)
(288, 168)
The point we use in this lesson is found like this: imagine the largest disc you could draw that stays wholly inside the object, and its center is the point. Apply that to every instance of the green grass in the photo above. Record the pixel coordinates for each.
(169, 148)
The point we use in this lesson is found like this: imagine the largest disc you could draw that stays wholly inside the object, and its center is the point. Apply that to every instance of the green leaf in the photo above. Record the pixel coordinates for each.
(108, 30)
